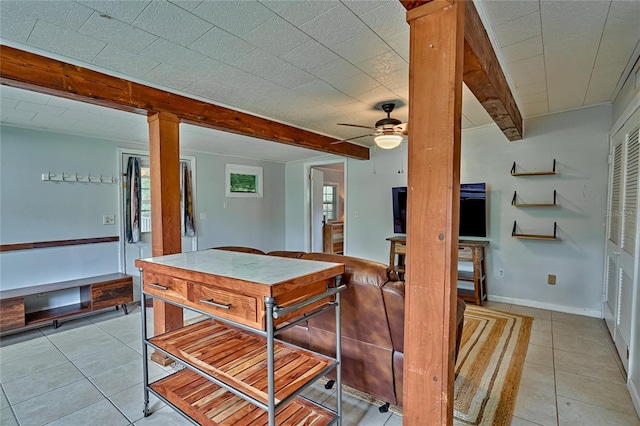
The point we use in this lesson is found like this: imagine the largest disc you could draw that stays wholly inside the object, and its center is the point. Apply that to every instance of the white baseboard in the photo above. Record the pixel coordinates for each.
(596, 313)
(635, 397)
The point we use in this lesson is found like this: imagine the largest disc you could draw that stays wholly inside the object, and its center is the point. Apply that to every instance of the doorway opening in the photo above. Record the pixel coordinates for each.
(326, 204)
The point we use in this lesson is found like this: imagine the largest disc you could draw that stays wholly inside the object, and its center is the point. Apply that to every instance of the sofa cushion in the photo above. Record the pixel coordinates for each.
(240, 249)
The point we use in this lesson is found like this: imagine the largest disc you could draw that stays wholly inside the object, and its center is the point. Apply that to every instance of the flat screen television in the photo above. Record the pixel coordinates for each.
(473, 210)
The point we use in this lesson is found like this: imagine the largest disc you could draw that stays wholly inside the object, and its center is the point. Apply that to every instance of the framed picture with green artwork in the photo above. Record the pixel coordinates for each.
(243, 181)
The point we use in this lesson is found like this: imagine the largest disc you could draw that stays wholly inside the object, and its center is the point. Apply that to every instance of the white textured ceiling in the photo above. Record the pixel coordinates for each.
(311, 64)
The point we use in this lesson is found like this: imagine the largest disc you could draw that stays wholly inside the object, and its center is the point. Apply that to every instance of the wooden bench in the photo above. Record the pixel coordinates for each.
(99, 292)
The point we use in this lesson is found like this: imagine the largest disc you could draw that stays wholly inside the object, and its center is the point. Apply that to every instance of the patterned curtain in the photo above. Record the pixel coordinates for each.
(188, 224)
(132, 201)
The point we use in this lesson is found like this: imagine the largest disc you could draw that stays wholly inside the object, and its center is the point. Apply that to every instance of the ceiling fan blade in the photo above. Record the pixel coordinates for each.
(356, 137)
(402, 129)
(356, 125)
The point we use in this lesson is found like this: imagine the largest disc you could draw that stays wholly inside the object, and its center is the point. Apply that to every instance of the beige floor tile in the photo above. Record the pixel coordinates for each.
(531, 312)
(130, 402)
(100, 413)
(541, 325)
(106, 360)
(540, 355)
(587, 331)
(30, 386)
(578, 344)
(88, 347)
(356, 412)
(31, 364)
(517, 421)
(536, 406)
(57, 403)
(166, 416)
(394, 420)
(541, 338)
(317, 392)
(538, 377)
(124, 376)
(7, 418)
(65, 326)
(21, 349)
(576, 413)
(592, 391)
(4, 402)
(600, 367)
(579, 320)
(23, 336)
(498, 306)
(124, 328)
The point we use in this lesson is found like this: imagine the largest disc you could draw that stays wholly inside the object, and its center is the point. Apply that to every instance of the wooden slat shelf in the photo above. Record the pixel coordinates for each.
(542, 173)
(516, 204)
(553, 237)
(208, 404)
(239, 358)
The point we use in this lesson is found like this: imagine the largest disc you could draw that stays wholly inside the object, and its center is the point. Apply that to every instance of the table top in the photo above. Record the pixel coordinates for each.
(257, 268)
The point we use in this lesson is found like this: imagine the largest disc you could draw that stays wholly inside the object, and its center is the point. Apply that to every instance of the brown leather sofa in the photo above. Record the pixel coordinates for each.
(372, 316)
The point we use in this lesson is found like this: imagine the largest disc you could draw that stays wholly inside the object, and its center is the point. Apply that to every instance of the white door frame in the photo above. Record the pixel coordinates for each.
(121, 152)
(307, 200)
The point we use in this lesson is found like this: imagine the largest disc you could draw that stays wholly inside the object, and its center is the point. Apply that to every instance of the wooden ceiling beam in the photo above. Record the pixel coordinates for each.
(29, 71)
(483, 74)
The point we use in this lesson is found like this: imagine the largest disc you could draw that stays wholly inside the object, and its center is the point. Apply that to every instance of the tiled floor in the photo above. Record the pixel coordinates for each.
(89, 372)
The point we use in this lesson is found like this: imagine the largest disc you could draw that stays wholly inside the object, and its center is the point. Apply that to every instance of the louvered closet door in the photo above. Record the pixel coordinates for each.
(610, 308)
(623, 244)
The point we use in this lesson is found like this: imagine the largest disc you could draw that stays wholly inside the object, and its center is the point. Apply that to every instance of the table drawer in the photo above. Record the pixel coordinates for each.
(465, 253)
(166, 287)
(224, 303)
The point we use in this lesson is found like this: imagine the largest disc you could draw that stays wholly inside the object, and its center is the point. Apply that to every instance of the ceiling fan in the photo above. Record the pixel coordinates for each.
(388, 131)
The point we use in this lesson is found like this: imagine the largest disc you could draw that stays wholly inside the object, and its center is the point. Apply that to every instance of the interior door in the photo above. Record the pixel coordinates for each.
(611, 298)
(317, 216)
(622, 244)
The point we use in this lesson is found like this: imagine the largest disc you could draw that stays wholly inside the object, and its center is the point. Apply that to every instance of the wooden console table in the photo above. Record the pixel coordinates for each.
(468, 251)
(233, 359)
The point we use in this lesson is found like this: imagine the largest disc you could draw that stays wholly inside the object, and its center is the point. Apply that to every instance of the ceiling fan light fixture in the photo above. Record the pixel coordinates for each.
(388, 141)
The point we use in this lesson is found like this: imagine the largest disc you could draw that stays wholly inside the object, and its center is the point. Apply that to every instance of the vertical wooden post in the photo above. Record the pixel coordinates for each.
(166, 237)
(435, 95)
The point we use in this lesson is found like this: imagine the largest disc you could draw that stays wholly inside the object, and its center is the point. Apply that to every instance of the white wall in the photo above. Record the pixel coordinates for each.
(578, 140)
(33, 210)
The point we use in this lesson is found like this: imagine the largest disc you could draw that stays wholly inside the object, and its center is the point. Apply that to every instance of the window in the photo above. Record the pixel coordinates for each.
(243, 181)
(145, 199)
(330, 202)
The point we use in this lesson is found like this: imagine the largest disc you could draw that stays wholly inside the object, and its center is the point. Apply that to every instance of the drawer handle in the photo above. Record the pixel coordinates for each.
(158, 286)
(217, 305)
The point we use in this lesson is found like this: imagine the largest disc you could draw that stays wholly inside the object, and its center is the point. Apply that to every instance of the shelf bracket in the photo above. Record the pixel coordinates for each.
(513, 200)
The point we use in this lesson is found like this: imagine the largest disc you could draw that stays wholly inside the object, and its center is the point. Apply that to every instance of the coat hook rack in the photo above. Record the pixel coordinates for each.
(78, 178)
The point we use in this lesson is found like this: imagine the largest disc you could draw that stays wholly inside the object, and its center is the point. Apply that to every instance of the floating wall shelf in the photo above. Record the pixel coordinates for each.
(515, 203)
(548, 172)
(536, 236)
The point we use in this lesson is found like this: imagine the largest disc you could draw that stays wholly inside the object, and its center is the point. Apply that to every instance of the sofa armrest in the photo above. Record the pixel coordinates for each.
(393, 293)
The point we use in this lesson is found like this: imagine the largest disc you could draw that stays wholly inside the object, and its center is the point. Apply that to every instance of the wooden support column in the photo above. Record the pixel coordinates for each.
(435, 108)
(166, 237)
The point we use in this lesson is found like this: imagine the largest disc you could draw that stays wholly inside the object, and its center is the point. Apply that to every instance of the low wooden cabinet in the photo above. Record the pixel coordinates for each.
(99, 292)
(468, 251)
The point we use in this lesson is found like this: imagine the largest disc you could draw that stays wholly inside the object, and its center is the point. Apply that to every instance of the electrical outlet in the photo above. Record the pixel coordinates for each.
(551, 280)
(108, 219)
(501, 273)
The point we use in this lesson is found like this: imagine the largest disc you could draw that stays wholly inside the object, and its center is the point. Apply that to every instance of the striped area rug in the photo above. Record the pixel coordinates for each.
(492, 352)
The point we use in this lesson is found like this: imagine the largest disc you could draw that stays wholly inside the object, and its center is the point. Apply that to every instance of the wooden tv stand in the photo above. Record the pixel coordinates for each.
(468, 251)
(99, 292)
